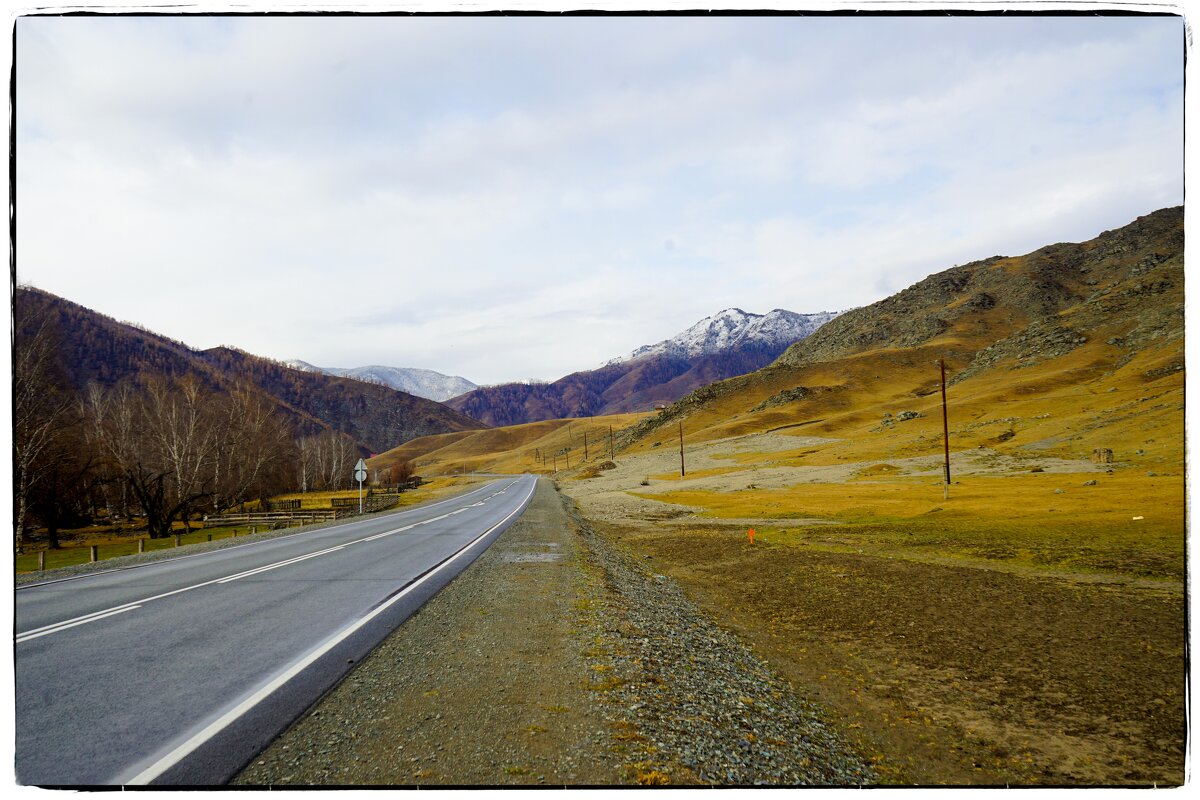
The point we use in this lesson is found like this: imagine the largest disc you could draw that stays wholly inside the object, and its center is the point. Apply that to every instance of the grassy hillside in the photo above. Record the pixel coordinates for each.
(1061, 351)
(514, 449)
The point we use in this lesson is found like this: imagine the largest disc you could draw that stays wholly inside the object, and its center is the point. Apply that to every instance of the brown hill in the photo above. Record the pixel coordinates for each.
(533, 447)
(98, 349)
(1066, 349)
(630, 386)
(1106, 314)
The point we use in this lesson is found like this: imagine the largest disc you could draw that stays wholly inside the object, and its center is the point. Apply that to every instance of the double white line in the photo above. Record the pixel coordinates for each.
(71, 623)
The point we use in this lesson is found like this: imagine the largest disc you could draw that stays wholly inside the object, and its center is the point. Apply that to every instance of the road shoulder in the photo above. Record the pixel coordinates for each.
(559, 659)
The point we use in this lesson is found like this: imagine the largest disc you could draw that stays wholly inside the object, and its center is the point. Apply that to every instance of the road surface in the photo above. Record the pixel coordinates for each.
(179, 672)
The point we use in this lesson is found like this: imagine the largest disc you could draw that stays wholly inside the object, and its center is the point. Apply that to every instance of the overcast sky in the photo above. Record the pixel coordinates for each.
(511, 198)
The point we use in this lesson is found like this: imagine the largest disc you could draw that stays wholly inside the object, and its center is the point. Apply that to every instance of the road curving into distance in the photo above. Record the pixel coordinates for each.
(178, 672)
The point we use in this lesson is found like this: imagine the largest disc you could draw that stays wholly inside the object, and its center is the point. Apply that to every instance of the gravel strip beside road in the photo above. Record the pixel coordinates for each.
(485, 685)
(557, 659)
(701, 707)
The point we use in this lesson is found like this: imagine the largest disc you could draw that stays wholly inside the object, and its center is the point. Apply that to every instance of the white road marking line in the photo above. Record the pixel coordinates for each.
(25, 637)
(248, 573)
(176, 755)
(389, 533)
(458, 498)
(59, 626)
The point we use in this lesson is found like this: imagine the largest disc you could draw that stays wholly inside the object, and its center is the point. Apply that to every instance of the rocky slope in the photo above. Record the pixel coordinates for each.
(1088, 308)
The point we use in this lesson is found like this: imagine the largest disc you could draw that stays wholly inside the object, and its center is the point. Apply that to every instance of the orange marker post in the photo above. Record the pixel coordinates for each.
(750, 533)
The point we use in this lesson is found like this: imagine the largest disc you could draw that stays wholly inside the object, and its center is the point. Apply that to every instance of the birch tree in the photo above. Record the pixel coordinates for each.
(39, 407)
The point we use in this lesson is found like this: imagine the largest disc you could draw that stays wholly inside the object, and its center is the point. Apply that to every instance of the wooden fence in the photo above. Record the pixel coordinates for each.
(342, 507)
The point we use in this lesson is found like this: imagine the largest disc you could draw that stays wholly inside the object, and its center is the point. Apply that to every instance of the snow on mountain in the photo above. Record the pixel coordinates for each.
(420, 382)
(734, 328)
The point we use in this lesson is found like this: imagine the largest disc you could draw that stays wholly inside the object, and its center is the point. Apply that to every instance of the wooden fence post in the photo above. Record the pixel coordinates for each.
(95, 553)
(41, 561)
(141, 544)
(177, 540)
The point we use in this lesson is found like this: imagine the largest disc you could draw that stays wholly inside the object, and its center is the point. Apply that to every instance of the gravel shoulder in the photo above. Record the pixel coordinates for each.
(558, 659)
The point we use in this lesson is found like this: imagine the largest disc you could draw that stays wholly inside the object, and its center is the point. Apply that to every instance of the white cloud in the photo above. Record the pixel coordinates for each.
(428, 187)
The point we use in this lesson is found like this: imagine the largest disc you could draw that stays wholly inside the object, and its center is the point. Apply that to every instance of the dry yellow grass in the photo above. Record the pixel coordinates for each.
(509, 450)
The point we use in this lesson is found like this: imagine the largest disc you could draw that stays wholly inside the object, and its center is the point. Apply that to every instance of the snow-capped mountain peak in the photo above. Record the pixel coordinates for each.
(732, 328)
(420, 382)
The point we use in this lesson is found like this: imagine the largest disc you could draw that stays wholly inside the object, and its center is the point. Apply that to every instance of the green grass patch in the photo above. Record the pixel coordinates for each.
(107, 548)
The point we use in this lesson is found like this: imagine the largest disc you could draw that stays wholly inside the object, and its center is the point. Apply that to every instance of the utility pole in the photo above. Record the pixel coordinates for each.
(612, 455)
(585, 445)
(556, 463)
(945, 432)
(682, 471)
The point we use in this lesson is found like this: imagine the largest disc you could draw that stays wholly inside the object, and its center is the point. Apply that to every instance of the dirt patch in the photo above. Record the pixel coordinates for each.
(950, 674)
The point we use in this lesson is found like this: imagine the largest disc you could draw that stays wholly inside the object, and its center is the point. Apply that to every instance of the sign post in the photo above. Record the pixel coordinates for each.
(360, 475)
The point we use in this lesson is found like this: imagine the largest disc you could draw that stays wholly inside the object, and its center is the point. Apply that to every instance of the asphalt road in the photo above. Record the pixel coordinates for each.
(179, 672)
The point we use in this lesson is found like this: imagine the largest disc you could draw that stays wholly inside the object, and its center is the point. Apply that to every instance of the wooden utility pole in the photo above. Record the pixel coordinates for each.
(682, 471)
(945, 432)
(585, 445)
(612, 455)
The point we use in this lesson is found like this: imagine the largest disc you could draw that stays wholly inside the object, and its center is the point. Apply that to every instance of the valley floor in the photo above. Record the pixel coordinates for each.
(993, 645)
(1028, 630)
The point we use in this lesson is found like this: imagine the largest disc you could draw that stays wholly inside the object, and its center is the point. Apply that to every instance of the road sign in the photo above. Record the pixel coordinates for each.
(360, 475)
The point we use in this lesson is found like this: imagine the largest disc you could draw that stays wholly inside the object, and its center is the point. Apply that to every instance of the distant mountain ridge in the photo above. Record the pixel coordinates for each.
(420, 382)
(94, 348)
(733, 328)
(730, 343)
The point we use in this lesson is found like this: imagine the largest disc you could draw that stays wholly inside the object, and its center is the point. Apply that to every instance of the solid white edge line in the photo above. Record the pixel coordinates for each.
(212, 729)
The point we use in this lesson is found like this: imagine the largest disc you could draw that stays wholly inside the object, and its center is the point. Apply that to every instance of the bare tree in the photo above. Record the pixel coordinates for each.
(39, 407)
(399, 473)
(62, 497)
(327, 460)
(253, 442)
(181, 426)
(160, 440)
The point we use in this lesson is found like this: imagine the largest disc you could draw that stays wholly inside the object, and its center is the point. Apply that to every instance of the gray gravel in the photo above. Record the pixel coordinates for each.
(700, 700)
